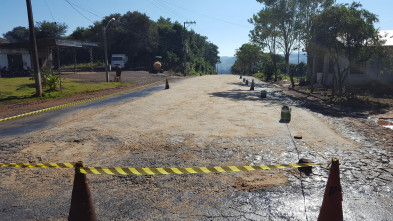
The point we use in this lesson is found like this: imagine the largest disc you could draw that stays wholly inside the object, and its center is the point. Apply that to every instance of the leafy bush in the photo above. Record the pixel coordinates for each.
(49, 79)
(259, 75)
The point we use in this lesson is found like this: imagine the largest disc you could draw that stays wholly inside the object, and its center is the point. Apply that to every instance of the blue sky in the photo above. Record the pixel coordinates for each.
(224, 22)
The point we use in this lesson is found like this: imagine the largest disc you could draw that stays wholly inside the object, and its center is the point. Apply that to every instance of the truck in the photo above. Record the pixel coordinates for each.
(118, 60)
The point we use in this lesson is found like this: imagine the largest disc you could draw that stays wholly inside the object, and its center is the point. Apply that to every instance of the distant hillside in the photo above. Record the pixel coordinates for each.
(226, 62)
(302, 57)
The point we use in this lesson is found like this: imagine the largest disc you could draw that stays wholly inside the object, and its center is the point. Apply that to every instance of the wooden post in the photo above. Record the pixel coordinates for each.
(37, 75)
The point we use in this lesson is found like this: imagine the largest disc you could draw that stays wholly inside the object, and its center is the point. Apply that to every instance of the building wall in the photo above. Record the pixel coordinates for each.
(364, 75)
(371, 75)
(25, 57)
(3, 59)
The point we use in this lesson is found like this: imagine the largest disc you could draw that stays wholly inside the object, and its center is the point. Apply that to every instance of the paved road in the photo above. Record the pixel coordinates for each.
(46, 120)
(201, 121)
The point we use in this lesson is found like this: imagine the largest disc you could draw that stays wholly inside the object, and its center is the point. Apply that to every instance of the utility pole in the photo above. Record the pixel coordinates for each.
(37, 76)
(185, 45)
(106, 54)
(105, 48)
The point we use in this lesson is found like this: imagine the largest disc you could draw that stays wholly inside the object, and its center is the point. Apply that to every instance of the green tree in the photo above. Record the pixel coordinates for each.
(17, 34)
(278, 19)
(45, 29)
(249, 57)
(170, 43)
(142, 39)
(346, 32)
(307, 9)
(200, 51)
(265, 34)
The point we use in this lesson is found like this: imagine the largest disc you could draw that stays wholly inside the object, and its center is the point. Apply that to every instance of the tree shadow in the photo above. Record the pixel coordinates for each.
(241, 84)
(337, 110)
(238, 94)
(307, 101)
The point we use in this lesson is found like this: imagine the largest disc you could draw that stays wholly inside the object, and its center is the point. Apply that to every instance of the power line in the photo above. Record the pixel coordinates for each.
(170, 9)
(165, 44)
(50, 11)
(208, 16)
(167, 10)
(79, 11)
(88, 11)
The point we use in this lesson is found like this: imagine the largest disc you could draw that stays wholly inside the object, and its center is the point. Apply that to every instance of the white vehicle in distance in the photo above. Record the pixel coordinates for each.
(118, 60)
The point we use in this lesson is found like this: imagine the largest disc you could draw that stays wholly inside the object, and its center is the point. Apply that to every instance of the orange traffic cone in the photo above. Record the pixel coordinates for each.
(166, 84)
(331, 208)
(82, 207)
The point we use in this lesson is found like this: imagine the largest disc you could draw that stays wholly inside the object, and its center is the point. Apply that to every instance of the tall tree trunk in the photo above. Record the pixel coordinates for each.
(288, 70)
(310, 68)
(275, 68)
(274, 60)
(334, 86)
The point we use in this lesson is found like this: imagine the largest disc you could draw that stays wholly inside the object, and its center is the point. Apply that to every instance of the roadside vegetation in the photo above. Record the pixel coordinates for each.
(86, 65)
(23, 88)
(345, 33)
(137, 36)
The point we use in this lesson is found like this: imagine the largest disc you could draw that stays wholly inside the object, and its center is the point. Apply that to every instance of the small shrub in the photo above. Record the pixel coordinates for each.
(49, 79)
(259, 75)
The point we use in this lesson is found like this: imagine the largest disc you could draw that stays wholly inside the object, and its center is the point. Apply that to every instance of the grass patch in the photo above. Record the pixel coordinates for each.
(259, 75)
(84, 65)
(16, 89)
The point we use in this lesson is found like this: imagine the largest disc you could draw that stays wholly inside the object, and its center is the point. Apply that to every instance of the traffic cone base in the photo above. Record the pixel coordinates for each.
(331, 208)
(82, 207)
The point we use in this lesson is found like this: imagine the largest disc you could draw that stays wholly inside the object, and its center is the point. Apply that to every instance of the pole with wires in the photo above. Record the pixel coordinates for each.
(185, 45)
(105, 49)
(37, 75)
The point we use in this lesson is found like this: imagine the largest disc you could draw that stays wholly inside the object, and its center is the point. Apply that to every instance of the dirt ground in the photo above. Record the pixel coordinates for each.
(203, 121)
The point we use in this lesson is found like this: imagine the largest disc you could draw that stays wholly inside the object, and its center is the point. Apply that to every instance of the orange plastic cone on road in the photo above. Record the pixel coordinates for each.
(331, 208)
(82, 207)
(166, 84)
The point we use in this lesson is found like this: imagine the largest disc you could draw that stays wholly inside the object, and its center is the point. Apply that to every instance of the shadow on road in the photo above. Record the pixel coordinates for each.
(278, 97)
(334, 110)
(244, 95)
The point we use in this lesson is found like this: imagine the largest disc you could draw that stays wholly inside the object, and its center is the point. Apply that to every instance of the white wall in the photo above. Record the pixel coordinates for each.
(370, 75)
(3, 59)
(25, 57)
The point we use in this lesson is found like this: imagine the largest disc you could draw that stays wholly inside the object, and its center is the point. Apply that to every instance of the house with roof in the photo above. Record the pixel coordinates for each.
(15, 58)
(360, 75)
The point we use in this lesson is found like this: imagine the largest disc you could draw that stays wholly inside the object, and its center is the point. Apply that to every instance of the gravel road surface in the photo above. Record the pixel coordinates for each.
(200, 121)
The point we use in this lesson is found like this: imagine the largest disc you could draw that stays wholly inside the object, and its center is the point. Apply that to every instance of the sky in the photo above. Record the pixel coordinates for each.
(223, 22)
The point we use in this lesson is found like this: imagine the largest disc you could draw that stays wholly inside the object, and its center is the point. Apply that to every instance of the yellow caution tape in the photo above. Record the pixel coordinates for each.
(71, 104)
(185, 170)
(157, 171)
(42, 165)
